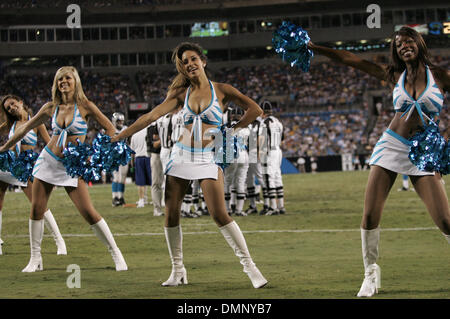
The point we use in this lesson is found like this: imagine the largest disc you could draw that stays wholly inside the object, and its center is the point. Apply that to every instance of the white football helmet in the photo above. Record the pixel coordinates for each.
(118, 119)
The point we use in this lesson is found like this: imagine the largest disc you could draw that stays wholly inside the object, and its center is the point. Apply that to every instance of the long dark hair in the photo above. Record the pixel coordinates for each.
(10, 119)
(396, 64)
(182, 79)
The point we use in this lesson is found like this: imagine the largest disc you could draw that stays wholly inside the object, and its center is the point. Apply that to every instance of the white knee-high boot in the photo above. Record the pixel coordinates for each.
(233, 235)
(447, 237)
(36, 229)
(102, 231)
(174, 238)
(372, 272)
(52, 226)
(1, 241)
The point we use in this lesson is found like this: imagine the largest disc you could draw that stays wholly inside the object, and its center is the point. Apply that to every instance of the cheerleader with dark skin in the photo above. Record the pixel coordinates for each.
(412, 66)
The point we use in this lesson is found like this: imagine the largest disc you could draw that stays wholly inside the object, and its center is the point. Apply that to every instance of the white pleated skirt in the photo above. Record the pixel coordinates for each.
(391, 152)
(192, 163)
(50, 169)
(8, 178)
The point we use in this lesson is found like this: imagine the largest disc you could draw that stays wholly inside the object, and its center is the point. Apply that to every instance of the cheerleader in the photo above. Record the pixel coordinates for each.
(17, 114)
(68, 112)
(418, 94)
(192, 156)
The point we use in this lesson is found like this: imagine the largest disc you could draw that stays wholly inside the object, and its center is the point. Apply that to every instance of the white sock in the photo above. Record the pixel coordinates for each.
(233, 235)
(233, 198)
(370, 240)
(273, 203)
(174, 239)
(203, 203)
(240, 205)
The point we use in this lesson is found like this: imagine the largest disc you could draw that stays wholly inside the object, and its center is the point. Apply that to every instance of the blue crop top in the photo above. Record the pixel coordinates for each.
(210, 115)
(428, 104)
(29, 139)
(77, 127)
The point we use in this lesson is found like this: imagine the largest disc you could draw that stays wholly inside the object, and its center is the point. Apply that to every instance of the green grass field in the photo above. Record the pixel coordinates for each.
(314, 251)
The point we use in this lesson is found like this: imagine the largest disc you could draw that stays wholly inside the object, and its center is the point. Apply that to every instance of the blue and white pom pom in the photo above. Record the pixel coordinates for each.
(109, 156)
(445, 161)
(228, 150)
(88, 161)
(428, 149)
(22, 165)
(291, 44)
(6, 159)
(77, 162)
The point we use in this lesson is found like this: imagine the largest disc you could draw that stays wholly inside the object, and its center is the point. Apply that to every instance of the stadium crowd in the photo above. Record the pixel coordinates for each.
(22, 4)
(333, 112)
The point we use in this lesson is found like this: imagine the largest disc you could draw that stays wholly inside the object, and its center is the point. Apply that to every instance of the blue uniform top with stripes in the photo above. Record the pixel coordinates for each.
(77, 127)
(29, 139)
(428, 104)
(211, 115)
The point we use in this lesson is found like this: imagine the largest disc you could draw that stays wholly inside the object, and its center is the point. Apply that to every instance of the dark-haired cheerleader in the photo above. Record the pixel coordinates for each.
(16, 114)
(418, 94)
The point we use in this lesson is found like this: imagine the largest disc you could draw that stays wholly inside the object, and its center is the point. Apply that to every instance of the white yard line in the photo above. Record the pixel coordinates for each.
(245, 232)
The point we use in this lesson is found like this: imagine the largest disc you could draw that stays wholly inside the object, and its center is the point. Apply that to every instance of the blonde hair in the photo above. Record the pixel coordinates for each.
(181, 80)
(79, 95)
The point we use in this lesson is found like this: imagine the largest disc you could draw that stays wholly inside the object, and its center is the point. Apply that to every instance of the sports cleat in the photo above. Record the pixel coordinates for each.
(200, 212)
(34, 265)
(282, 211)
(372, 281)
(116, 202)
(188, 214)
(264, 210)
(140, 203)
(158, 213)
(177, 277)
(271, 212)
(241, 214)
(251, 210)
